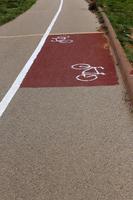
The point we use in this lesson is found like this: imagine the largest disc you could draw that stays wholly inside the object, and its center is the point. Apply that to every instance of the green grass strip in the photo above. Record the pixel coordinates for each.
(120, 13)
(10, 9)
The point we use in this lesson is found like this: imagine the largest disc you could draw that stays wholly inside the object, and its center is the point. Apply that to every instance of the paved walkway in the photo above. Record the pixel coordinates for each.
(69, 143)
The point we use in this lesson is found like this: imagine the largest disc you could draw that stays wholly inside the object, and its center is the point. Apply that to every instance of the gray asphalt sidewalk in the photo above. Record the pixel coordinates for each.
(61, 143)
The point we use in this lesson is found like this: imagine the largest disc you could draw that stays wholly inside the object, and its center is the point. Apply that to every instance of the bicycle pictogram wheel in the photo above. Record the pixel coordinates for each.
(80, 66)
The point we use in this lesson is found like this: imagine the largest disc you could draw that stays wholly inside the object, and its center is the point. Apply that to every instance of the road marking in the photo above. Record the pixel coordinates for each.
(89, 73)
(20, 36)
(16, 85)
(62, 39)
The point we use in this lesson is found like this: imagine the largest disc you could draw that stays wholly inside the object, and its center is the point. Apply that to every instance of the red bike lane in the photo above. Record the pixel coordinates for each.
(73, 60)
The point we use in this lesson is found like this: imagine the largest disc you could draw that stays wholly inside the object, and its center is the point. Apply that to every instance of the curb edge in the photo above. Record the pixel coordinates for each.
(125, 66)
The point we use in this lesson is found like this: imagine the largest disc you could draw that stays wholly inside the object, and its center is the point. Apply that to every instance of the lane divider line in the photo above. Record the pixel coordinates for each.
(16, 85)
(20, 36)
(73, 33)
(41, 34)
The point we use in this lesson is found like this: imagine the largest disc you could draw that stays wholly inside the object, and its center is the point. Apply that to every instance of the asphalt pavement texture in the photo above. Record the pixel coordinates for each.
(61, 143)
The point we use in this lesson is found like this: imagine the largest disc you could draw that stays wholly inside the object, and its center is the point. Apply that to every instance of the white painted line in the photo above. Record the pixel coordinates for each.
(15, 86)
(20, 36)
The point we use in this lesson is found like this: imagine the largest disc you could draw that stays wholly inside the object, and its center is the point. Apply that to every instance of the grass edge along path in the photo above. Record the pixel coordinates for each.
(120, 14)
(10, 9)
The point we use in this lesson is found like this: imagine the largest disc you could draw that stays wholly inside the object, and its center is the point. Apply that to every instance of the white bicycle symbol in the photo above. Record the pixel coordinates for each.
(62, 39)
(89, 72)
